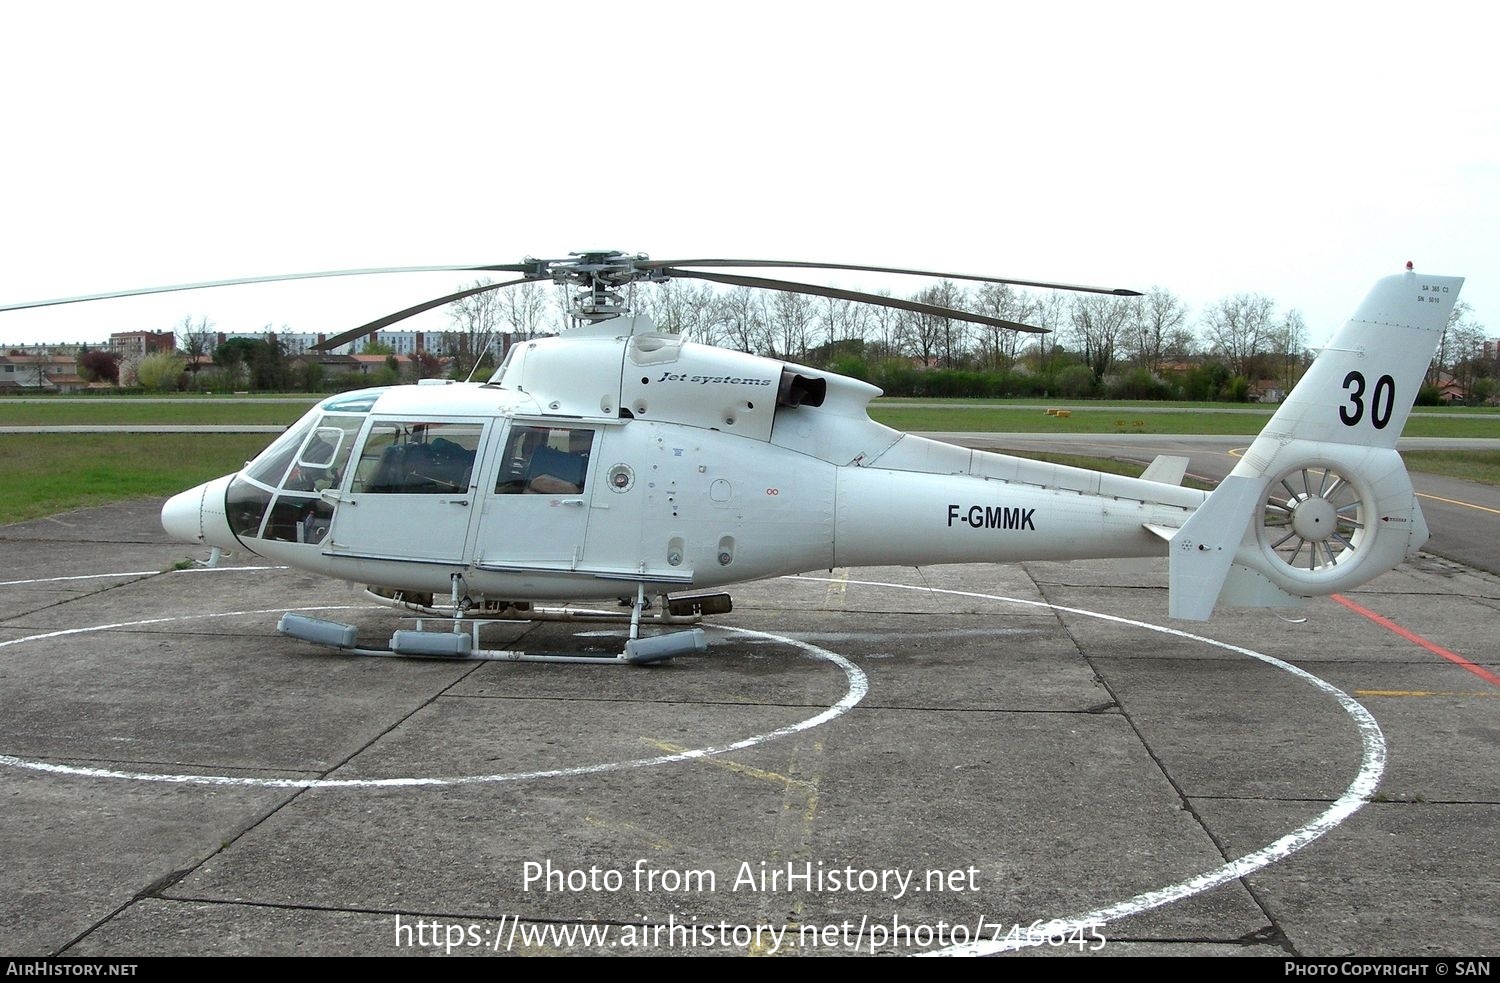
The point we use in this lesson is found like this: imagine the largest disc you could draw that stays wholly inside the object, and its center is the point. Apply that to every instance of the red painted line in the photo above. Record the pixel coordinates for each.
(1413, 637)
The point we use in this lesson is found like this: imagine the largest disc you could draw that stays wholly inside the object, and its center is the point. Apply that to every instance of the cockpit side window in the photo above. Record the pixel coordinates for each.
(293, 473)
(417, 458)
(321, 448)
(545, 461)
(321, 462)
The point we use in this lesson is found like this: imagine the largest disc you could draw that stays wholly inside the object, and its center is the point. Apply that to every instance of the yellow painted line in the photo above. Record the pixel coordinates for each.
(1237, 451)
(1454, 501)
(838, 587)
(622, 826)
(794, 825)
(735, 767)
(1418, 692)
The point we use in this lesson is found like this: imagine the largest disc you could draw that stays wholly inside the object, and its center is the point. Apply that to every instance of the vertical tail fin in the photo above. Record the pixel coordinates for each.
(1321, 501)
(1361, 388)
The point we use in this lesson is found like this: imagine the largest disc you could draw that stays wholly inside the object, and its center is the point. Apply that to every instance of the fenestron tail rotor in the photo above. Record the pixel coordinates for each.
(1314, 520)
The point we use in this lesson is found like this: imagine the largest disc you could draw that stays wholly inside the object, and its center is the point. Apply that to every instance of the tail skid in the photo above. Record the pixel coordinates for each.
(1321, 501)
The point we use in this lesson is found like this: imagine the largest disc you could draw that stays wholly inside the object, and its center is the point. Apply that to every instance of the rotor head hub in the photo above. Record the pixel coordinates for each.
(1315, 518)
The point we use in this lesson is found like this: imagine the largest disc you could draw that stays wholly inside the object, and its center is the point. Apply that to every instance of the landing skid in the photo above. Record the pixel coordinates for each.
(683, 610)
(461, 642)
(463, 645)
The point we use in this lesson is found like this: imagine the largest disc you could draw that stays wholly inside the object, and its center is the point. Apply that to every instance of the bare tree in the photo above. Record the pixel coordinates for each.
(1239, 329)
(883, 330)
(1288, 342)
(36, 369)
(954, 332)
(999, 347)
(655, 301)
(1448, 351)
(920, 336)
(1096, 323)
(933, 337)
(1181, 343)
(711, 324)
(843, 320)
(681, 308)
(742, 312)
(1154, 318)
(700, 313)
(524, 308)
(1467, 351)
(789, 330)
(475, 319)
(1050, 311)
(195, 339)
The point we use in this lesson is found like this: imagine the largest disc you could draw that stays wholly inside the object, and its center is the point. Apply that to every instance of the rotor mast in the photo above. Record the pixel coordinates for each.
(599, 277)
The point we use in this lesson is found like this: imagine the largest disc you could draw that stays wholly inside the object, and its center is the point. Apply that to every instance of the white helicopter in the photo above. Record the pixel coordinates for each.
(618, 460)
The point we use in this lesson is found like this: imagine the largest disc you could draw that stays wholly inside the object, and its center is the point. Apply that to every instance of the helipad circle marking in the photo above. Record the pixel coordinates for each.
(1372, 767)
(1365, 783)
(858, 686)
(131, 573)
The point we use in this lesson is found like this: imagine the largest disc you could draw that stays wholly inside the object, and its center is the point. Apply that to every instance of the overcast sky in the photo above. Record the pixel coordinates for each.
(1296, 150)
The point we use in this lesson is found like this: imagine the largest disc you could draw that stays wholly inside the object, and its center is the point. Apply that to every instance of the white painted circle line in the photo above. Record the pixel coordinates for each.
(1365, 783)
(133, 573)
(1372, 767)
(858, 686)
(86, 576)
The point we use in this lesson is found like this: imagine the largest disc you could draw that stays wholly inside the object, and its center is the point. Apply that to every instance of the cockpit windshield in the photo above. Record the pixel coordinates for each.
(279, 495)
(271, 464)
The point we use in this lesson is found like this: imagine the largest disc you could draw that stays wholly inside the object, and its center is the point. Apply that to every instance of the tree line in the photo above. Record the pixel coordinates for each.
(1146, 347)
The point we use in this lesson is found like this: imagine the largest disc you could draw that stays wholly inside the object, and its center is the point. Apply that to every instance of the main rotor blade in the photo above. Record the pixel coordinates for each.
(354, 334)
(752, 263)
(857, 296)
(276, 278)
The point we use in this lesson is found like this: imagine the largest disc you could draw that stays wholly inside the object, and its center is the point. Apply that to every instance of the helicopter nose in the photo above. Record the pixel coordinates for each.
(182, 518)
(198, 516)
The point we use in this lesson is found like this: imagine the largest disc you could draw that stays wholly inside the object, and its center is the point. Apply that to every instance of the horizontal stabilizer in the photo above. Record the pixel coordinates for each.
(1167, 469)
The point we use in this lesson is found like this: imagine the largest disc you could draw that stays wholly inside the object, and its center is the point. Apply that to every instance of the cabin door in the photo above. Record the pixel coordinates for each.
(412, 493)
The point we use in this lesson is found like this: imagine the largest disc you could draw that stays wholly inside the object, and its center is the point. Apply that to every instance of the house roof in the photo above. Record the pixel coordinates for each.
(43, 359)
(323, 358)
